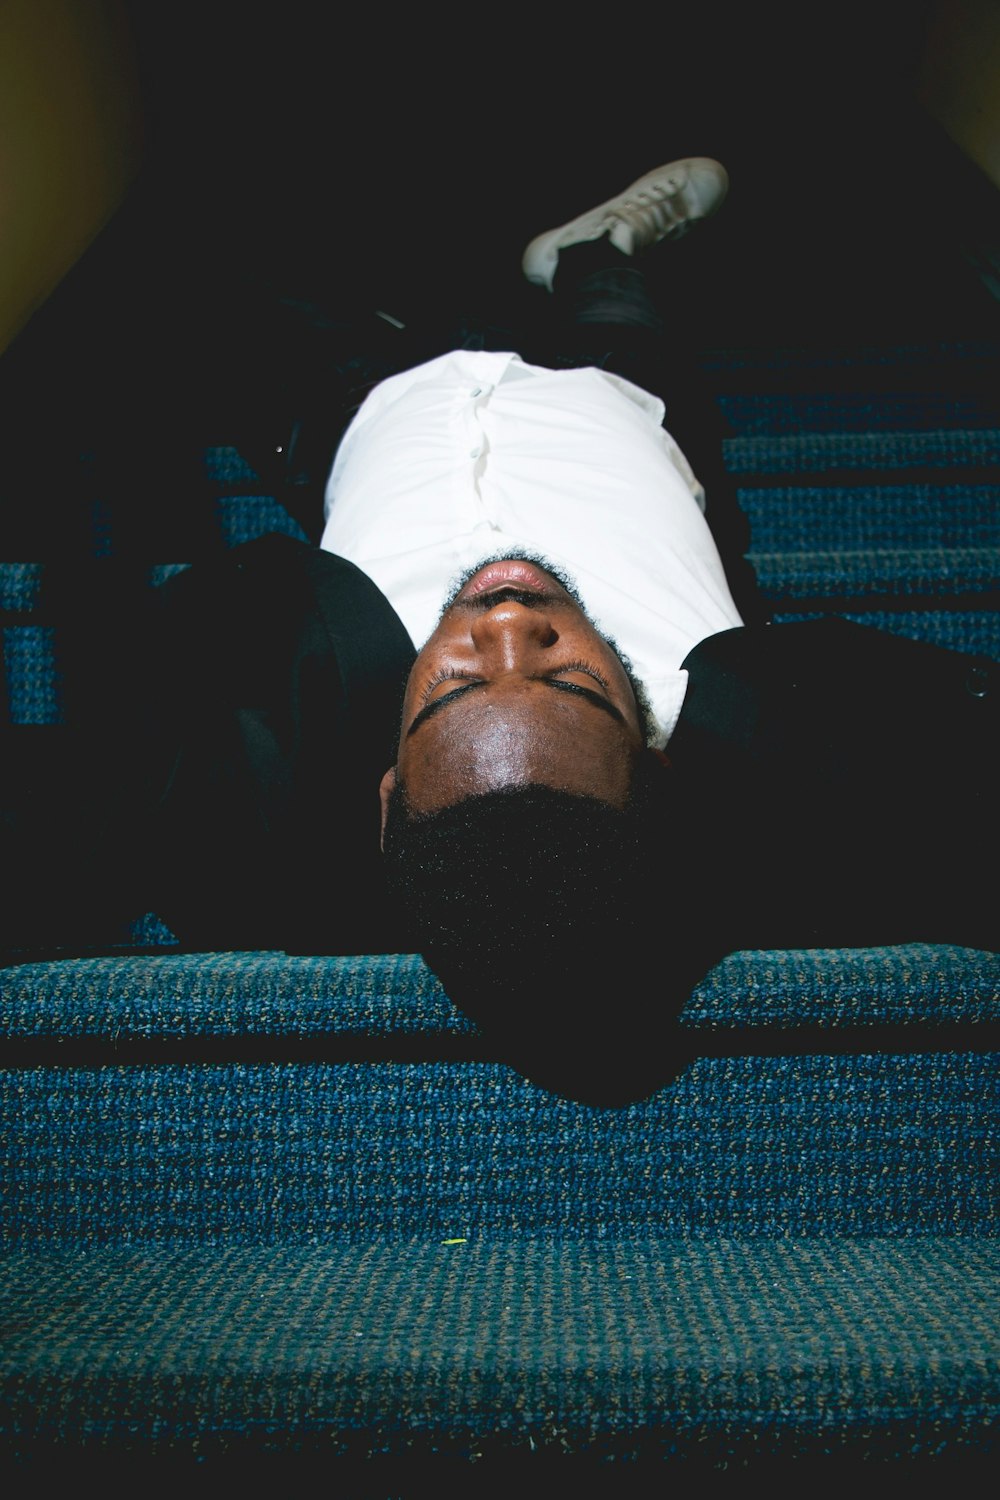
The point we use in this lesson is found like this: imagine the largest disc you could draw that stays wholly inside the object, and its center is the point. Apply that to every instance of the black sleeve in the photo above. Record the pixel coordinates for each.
(218, 762)
(844, 780)
(282, 676)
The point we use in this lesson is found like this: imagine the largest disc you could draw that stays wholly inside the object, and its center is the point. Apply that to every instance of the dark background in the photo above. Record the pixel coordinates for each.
(305, 165)
(396, 153)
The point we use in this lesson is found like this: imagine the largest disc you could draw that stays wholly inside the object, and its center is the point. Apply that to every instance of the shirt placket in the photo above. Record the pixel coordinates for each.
(474, 452)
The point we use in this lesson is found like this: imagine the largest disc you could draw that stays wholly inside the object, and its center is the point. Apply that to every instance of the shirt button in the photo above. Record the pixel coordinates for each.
(977, 683)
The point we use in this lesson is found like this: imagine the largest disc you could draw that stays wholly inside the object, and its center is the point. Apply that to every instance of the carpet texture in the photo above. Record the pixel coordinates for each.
(259, 1210)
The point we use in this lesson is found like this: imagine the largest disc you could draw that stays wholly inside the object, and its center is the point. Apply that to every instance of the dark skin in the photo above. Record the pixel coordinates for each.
(515, 685)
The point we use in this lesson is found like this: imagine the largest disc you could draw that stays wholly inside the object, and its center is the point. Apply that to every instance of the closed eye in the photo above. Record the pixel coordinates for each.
(579, 666)
(446, 674)
(553, 679)
(456, 674)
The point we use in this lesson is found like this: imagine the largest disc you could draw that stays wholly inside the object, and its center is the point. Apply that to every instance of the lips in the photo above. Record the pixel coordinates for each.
(495, 574)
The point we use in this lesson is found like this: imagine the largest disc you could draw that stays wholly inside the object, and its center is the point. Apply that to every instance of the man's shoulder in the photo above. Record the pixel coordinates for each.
(771, 646)
(275, 597)
(756, 686)
(827, 644)
(739, 678)
(278, 572)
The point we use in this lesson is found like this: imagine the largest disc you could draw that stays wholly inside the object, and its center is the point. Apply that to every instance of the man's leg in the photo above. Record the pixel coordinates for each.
(616, 306)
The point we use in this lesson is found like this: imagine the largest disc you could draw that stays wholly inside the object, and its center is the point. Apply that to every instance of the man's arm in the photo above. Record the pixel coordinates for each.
(848, 779)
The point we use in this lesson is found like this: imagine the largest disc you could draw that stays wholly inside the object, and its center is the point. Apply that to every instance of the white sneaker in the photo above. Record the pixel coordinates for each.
(662, 205)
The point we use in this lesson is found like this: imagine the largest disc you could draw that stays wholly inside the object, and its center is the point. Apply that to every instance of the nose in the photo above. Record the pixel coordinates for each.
(510, 631)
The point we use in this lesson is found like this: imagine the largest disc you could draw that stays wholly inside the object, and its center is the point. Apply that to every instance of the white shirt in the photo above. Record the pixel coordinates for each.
(477, 454)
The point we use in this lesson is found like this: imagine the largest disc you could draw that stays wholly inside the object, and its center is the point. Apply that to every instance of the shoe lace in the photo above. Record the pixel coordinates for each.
(650, 215)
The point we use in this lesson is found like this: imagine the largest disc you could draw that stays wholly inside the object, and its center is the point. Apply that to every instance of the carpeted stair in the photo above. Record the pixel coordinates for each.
(262, 1210)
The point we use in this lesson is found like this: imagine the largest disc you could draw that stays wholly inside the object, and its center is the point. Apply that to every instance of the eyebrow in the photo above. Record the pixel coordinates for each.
(556, 683)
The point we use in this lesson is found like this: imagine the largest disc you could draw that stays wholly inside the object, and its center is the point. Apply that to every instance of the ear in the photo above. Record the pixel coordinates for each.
(385, 790)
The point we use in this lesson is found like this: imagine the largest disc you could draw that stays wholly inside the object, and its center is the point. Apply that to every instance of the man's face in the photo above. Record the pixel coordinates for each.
(516, 685)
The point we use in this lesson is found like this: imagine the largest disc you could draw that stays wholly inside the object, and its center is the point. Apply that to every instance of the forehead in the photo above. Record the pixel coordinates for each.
(513, 734)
